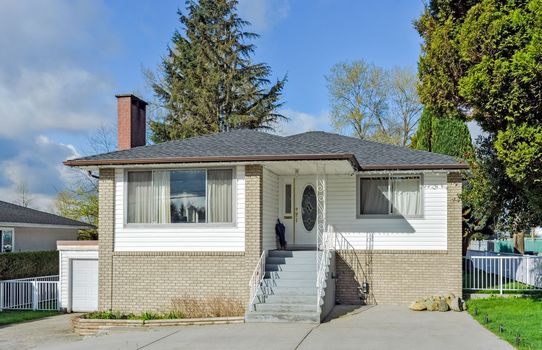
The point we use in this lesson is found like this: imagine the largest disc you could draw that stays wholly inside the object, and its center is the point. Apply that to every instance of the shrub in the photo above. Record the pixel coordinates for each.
(28, 264)
(194, 307)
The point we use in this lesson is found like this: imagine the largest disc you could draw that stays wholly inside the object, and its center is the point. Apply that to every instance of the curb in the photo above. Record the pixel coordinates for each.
(84, 326)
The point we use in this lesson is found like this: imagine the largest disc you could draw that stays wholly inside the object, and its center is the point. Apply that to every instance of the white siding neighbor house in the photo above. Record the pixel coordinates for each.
(26, 230)
(262, 220)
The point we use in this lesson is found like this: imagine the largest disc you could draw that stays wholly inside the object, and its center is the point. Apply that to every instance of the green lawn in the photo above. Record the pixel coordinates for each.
(517, 316)
(8, 317)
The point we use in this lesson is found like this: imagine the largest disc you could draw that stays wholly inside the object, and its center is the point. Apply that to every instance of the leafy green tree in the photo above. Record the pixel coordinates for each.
(207, 82)
(370, 102)
(80, 203)
(483, 60)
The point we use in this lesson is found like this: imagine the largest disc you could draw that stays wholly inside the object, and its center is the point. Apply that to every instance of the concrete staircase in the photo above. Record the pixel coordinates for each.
(288, 292)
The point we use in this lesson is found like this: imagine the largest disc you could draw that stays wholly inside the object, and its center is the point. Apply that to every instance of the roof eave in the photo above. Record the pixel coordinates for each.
(293, 157)
(458, 166)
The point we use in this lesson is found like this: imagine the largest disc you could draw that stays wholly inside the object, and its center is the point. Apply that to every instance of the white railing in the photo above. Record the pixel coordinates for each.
(256, 280)
(37, 293)
(323, 255)
(502, 272)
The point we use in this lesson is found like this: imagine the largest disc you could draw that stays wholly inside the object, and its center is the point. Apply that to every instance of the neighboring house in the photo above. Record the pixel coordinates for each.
(193, 217)
(24, 230)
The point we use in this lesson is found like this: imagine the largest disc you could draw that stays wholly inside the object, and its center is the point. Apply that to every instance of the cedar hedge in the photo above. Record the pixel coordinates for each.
(28, 264)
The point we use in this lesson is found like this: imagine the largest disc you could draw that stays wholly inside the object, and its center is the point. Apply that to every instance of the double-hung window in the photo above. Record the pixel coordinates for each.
(180, 196)
(390, 195)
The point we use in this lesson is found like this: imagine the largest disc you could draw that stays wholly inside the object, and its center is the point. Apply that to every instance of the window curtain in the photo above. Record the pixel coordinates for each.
(162, 197)
(219, 192)
(374, 196)
(139, 197)
(406, 196)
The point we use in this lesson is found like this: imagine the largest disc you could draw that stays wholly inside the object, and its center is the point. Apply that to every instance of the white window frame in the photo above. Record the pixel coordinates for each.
(232, 223)
(390, 215)
(2, 238)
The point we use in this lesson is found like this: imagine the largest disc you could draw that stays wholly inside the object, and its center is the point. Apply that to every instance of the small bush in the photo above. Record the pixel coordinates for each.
(28, 264)
(117, 315)
(193, 307)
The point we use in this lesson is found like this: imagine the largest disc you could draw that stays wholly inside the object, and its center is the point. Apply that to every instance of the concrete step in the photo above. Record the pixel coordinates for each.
(294, 291)
(278, 308)
(290, 267)
(290, 260)
(291, 275)
(307, 254)
(299, 317)
(291, 299)
(271, 282)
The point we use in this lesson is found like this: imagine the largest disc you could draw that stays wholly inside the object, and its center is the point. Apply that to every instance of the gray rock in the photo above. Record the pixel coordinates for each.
(443, 306)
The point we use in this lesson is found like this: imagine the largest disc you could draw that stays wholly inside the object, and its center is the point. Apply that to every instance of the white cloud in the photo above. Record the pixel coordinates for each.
(52, 82)
(49, 75)
(63, 100)
(301, 122)
(263, 14)
(38, 166)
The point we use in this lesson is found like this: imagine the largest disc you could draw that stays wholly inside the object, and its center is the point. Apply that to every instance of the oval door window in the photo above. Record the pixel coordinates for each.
(308, 208)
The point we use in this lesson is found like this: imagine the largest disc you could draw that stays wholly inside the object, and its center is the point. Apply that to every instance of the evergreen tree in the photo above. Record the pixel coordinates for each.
(445, 135)
(207, 83)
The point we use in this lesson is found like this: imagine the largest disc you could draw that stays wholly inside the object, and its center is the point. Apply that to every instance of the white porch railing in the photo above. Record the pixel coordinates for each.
(483, 271)
(37, 293)
(323, 255)
(256, 280)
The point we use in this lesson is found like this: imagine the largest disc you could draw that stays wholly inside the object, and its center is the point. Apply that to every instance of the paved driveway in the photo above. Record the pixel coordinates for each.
(379, 327)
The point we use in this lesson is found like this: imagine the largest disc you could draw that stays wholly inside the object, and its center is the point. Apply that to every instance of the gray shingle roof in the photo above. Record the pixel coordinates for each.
(12, 213)
(239, 145)
(370, 154)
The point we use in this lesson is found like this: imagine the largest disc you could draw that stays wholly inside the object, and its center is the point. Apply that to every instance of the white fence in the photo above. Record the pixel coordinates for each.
(37, 293)
(492, 272)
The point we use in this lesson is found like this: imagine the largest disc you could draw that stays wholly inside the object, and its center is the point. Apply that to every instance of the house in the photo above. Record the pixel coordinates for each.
(196, 217)
(24, 230)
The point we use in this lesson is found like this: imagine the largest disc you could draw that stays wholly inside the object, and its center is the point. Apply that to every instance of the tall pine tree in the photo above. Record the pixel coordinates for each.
(208, 83)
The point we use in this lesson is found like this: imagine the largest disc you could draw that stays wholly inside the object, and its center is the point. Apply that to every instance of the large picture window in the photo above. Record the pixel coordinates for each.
(390, 195)
(180, 196)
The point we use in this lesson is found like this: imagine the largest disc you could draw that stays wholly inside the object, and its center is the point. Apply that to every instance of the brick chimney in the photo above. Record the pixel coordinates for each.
(131, 125)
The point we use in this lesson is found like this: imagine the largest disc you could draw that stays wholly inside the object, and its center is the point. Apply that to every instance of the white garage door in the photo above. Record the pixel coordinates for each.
(84, 286)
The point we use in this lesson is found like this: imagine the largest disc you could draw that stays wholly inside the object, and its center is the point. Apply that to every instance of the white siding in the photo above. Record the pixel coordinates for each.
(270, 208)
(64, 257)
(427, 233)
(192, 237)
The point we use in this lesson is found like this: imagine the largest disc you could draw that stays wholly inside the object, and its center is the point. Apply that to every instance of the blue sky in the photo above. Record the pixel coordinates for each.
(62, 62)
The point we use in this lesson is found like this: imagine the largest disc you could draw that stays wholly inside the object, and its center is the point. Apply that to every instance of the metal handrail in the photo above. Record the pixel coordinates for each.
(351, 258)
(323, 257)
(257, 279)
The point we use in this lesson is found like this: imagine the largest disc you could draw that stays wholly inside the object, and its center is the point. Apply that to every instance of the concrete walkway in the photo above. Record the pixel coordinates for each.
(45, 331)
(379, 327)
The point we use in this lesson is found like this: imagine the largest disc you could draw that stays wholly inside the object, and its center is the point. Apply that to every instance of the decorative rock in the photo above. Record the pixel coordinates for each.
(449, 299)
(455, 305)
(418, 306)
(443, 306)
(432, 304)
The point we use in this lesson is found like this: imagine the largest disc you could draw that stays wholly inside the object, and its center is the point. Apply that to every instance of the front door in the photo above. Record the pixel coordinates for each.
(305, 210)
